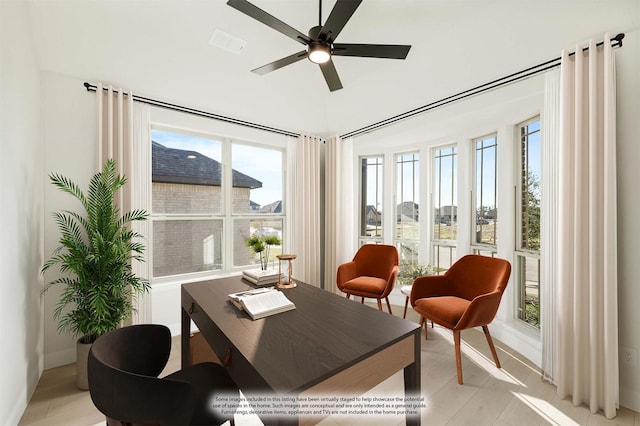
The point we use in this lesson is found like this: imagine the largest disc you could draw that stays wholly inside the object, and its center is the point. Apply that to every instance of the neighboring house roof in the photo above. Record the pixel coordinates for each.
(171, 165)
(371, 210)
(373, 216)
(275, 207)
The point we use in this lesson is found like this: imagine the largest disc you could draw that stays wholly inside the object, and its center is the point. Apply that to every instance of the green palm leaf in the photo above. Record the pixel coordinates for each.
(95, 255)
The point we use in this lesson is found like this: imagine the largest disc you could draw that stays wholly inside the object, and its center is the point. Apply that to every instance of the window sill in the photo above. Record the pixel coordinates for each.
(520, 337)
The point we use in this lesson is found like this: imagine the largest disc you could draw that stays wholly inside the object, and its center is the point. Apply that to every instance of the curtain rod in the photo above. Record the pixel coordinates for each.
(92, 88)
(502, 81)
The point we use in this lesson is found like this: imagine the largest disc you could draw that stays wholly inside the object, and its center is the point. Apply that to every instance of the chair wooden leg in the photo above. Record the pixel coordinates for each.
(388, 305)
(348, 296)
(485, 328)
(362, 300)
(406, 303)
(456, 341)
(423, 322)
(379, 304)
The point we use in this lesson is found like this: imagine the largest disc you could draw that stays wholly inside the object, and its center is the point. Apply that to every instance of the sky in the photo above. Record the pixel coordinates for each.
(535, 167)
(266, 166)
(262, 164)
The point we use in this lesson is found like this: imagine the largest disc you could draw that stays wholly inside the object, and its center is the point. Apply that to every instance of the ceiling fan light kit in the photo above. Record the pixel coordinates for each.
(320, 43)
(318, 53)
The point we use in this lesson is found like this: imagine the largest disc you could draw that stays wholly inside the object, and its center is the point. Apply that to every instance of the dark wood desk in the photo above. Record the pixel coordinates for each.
(328, 345)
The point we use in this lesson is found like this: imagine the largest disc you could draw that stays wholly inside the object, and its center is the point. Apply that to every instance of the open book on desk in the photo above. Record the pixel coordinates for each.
(261, 302)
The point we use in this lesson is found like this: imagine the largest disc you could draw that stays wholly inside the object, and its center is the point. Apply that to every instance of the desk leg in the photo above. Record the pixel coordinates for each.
(186, 334)
(412, 381)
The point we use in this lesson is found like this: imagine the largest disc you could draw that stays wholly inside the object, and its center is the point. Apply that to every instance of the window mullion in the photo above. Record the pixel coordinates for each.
(227, 200)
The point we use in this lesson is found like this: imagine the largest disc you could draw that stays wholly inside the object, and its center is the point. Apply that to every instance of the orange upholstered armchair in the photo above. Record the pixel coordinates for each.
(466, 296)
(371, 273)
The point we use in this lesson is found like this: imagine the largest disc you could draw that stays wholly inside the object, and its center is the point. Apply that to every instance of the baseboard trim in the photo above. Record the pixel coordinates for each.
(56, 359)
(630, 398)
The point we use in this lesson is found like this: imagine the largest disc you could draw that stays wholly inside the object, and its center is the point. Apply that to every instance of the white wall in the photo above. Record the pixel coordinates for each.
(70, 139)
(498, 110)
(21, 213)
(69, 117)
(628, 115)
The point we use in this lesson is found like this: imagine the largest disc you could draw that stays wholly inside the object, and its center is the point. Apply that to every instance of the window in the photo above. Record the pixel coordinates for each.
(203, 211)
(445, 210)
(485, 214)
(371, 199)
(527, 254)
(407, 235)
(257, 207)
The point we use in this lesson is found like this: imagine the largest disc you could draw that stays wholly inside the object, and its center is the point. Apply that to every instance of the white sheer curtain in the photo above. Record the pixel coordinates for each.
(585, 354)
(549, 222)
(339, 241)
(140, 182)
(123, 128)
(305, 208)
(115, 133)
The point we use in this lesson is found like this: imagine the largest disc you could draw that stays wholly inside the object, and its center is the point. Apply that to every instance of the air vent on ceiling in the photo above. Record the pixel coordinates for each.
(227, 41)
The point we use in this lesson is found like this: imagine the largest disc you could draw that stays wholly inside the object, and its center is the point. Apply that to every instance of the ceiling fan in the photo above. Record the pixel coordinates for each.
(320, 43)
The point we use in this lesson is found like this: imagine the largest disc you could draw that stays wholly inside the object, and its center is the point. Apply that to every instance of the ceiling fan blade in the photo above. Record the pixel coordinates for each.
(260, 15)
(389, 51)
(340, 14)
(281, 63)
(331, 75)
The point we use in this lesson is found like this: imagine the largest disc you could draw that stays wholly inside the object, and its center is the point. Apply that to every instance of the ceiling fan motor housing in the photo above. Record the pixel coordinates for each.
(320, 44)
(319, 52)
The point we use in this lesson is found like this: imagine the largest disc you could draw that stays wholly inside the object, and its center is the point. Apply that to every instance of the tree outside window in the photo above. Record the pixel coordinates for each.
(527, 254)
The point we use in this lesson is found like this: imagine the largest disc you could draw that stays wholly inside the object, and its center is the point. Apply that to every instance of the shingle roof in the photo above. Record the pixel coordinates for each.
(171, 165)
(275, 207)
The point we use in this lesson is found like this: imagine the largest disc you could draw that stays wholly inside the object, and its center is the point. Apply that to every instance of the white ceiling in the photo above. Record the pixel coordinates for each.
(160, 49)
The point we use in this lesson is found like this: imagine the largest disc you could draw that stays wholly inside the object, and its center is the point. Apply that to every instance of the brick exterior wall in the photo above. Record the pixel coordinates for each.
(182, 246)
(175, 198)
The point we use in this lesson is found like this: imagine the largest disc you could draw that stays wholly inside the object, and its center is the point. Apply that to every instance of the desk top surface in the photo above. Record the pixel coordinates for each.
(294, 350)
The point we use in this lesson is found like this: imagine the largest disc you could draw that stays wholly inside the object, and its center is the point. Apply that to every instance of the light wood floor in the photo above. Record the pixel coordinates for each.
(513, 395)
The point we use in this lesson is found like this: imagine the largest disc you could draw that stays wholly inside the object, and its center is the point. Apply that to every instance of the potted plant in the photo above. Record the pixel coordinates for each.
(408, 272)
(261, 244)
(95, 255)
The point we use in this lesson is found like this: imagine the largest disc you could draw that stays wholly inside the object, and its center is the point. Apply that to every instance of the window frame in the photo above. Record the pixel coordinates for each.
(362, 205)
(482, 247)
(438, 244)
(399, 201)
(523, 254)
(226, 215)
